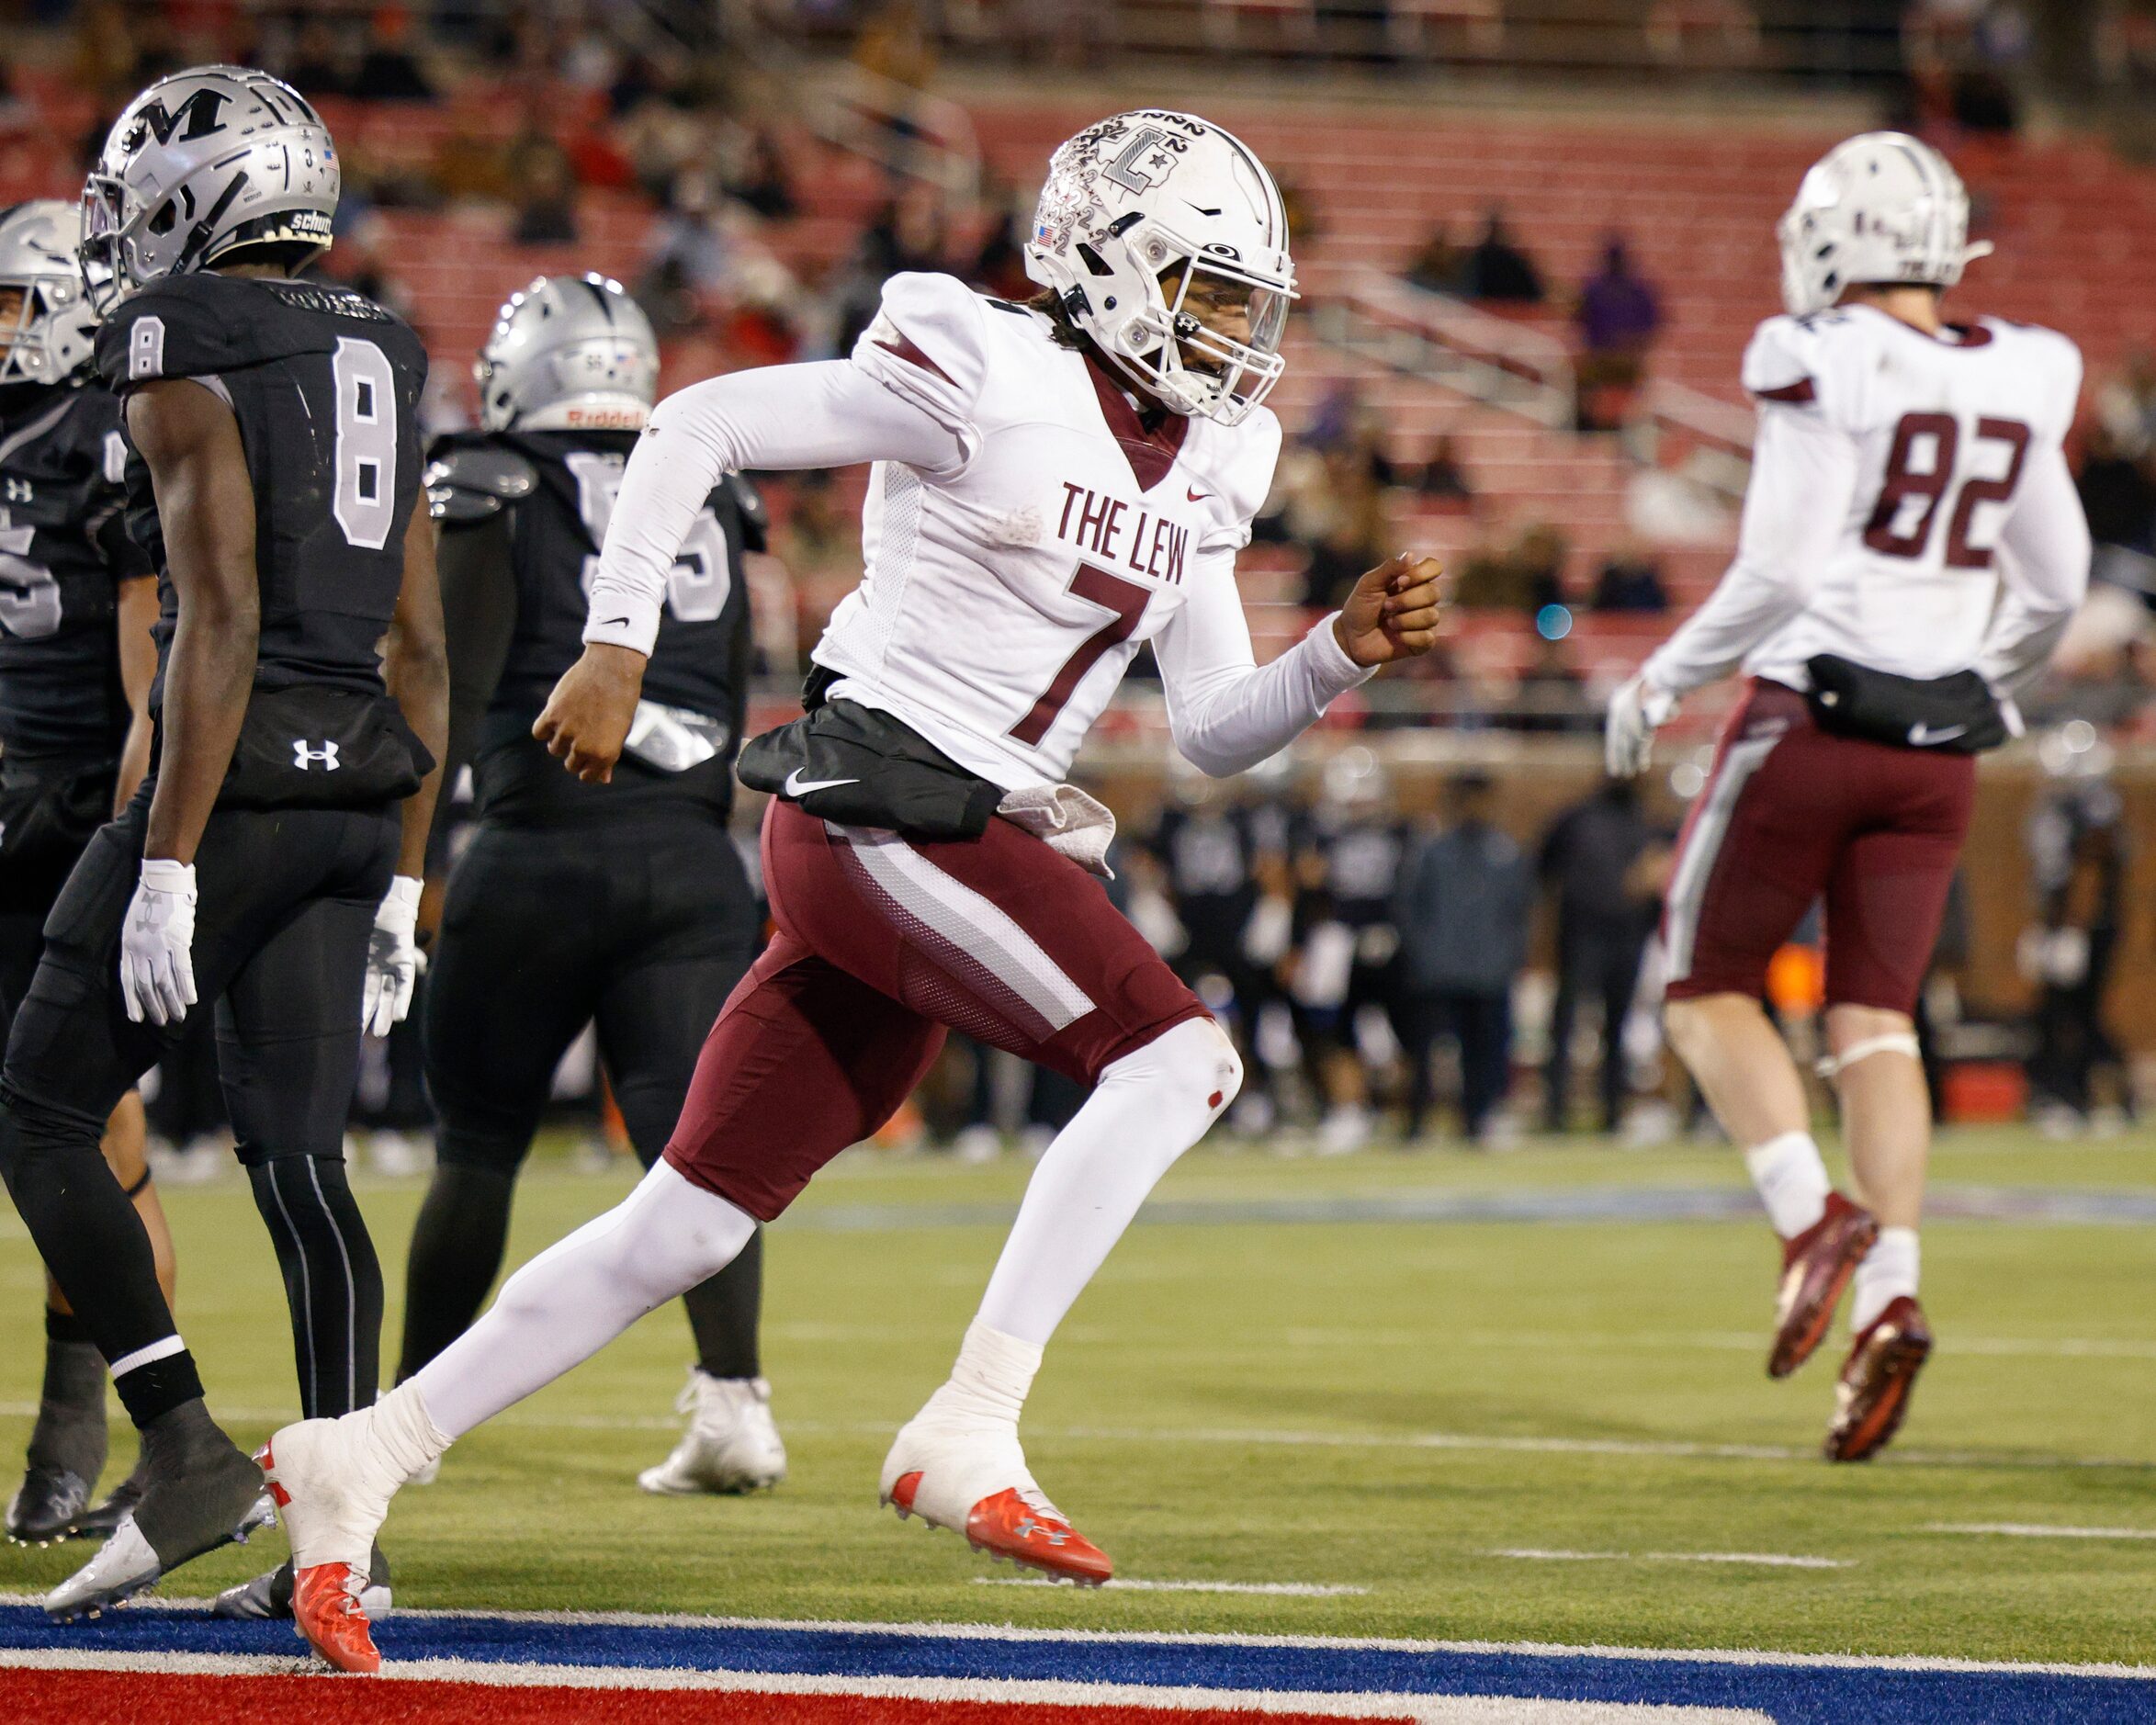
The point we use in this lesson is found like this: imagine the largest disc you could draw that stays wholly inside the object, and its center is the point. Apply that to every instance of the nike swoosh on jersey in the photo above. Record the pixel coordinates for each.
(796, 786)
(1922, 736)
(1195, 497)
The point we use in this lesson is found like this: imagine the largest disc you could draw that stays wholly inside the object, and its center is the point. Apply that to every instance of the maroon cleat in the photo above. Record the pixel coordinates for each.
(1816, 1267)
(1876, 1379)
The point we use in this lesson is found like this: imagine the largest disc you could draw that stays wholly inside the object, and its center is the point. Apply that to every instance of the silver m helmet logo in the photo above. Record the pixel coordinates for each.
(302, 756)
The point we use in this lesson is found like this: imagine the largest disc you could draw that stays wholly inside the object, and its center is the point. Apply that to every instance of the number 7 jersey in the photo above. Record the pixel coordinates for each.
(1950, 434)
(325, 386)
(1006, 594)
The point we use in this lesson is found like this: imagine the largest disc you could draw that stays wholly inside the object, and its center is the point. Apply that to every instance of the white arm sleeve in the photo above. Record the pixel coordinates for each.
(1803, 481)
(2043, 562)
(1225, 713)
(827, 415)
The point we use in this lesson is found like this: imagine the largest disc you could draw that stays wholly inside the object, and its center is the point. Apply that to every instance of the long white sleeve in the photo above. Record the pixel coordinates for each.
(2043, 563)
(1225, 712)
(827, 415)
(1804, 476)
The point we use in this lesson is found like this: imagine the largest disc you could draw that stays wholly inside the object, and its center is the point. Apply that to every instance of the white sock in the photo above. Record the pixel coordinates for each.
(990, 1379)
(579, 1295)
(404, 1431)
(1148, 1107)
(1888, 1271)
(1791, 1181)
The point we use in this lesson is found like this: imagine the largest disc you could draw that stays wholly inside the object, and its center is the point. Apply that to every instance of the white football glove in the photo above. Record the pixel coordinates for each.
(1636, 711)
(156, 960)
(393, 959)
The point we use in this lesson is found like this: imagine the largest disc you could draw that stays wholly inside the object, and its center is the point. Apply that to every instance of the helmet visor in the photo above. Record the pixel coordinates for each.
(1227, 326)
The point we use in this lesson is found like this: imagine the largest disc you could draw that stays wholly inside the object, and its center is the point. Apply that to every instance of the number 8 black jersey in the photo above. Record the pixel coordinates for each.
(63, 552)
(325, 385)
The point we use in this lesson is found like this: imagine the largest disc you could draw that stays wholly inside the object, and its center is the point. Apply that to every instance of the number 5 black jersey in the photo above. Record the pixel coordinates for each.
(63, 552)
(325, 385)
(523, 515)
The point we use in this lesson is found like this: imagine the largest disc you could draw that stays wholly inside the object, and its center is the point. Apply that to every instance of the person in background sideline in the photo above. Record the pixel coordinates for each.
(1590, 864)
(1617, 318)
(1464, 896)
(1498, 270)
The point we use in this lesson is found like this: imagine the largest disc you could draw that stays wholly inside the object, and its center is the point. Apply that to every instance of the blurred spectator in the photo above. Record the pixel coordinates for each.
(542, 186)
(1598, 861)
(1552, 695)
(2078, 852)
(1464, 898)
(390, 69)
(1355, 534)
(1441, 266)
(1617, 318)
(1523, 575)
(1442, 478)
(1629, 580)
(2125, 403)
(1498, 270)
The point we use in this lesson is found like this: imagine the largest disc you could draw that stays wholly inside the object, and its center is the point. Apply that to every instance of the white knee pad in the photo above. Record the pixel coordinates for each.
(1892, 1042)
(1192, 1056)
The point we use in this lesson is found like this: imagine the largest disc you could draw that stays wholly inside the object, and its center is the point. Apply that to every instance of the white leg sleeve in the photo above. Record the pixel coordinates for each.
(582, 1292)
(1148, 1107)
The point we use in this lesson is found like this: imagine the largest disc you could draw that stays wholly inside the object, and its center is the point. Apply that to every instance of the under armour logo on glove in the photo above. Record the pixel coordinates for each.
(302, 754)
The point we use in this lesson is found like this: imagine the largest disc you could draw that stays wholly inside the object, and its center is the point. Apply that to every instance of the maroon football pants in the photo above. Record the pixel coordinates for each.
(1793, 813)
(882, 943)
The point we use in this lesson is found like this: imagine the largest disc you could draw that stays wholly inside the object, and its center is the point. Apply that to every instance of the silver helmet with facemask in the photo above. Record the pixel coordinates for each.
(51, 329)
(200, 165)
(569, 353)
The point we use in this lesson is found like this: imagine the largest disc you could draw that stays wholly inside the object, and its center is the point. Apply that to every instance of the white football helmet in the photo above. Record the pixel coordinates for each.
(1137, 212)
(200, 163)
(1880, 206)
(55, 328)
(569, 353)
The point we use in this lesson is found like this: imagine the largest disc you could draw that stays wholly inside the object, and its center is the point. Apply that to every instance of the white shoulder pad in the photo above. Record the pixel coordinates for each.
(1240, 461)
(2056, 365)
(1783, 361)
(928, 346)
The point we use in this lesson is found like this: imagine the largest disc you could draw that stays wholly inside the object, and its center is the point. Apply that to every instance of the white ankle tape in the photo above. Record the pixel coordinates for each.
(1893, 1043)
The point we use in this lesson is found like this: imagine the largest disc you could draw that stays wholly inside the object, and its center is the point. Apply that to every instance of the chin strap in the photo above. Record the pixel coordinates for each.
(1893, 1043)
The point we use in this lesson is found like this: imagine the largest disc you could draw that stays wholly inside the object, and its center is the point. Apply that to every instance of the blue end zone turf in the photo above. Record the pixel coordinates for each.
(1793, 1693)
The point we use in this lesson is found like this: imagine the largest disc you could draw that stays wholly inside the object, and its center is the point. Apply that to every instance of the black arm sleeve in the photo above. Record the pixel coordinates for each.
(478, 617)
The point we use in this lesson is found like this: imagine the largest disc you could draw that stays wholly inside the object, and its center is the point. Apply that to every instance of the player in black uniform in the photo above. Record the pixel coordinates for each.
(273, 471)
(76, 603)
(626, 903)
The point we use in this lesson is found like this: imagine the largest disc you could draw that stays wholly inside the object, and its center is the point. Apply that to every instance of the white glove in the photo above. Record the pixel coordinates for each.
(393, 959)
(1628, 732)
(156, 963)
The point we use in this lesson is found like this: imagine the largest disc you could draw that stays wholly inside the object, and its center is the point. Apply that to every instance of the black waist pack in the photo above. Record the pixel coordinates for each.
(851, 764)
(1953, 716)
(317, 746)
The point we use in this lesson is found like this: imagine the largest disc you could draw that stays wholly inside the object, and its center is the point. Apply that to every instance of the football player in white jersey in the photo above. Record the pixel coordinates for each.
(1054, 484)
(1911, 548)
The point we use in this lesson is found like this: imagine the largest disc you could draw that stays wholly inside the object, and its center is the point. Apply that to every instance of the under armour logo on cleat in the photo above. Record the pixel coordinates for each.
(1047, 1530)
(302, 755)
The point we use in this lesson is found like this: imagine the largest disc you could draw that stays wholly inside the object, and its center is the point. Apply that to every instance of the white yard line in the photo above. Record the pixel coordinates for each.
(2039, 1530)
(1764, 1559)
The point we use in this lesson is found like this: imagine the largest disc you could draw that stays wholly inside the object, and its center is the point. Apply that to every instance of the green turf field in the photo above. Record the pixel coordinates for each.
(1374, 1405)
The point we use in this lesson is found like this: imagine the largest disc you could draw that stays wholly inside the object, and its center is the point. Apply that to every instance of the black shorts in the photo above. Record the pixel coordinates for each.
(642, 928)
(285, 908)
(49, 809)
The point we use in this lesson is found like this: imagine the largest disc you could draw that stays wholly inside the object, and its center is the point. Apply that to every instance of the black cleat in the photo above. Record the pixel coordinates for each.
(49, 1505)
(201, 1491)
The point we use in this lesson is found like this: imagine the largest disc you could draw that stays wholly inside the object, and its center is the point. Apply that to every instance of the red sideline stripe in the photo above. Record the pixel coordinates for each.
(98, 1698)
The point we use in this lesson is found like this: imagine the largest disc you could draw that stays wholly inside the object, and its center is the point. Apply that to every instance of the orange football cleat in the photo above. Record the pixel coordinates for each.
(1816, 1267)
(1006, 1526)
(327, 1613)
(1873, 1393)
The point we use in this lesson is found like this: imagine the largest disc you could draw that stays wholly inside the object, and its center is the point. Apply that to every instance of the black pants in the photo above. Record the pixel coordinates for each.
(642, 929)
(286, 905)
(49, 812)
(1600, 962)
(1482, 1025)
